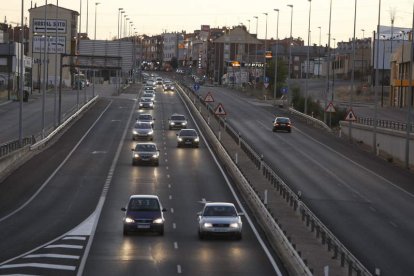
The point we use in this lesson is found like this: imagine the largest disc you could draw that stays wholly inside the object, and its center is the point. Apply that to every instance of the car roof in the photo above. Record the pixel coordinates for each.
(143, 196)
(219, 204)
(176, 114)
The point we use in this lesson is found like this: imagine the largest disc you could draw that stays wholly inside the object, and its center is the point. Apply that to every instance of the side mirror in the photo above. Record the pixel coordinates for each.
(123, 209)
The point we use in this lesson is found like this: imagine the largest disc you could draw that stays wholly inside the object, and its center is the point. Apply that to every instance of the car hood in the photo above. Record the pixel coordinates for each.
(218, 220)
(143, 130)
(144, 214)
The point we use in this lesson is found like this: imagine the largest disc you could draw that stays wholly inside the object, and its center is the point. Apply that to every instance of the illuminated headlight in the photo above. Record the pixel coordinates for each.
(234, 225)
(141, 104)
(208, 225)
(184, 123)
(180, 139)
(155, 155)
(129, 220)
(150, 132)
(135, 132)
(136, 155)
(151, 104)
(157, 221)
(172, 123)
(197, 139)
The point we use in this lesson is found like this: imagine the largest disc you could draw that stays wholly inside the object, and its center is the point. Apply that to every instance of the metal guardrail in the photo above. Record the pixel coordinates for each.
(384, 124)
(9, 147)
(325, 236)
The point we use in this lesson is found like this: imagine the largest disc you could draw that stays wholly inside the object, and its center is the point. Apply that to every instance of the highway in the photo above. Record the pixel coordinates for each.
(60, 213)
(365, 201)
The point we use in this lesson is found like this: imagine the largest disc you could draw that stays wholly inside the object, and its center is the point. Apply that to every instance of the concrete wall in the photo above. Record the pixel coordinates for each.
(390, 143)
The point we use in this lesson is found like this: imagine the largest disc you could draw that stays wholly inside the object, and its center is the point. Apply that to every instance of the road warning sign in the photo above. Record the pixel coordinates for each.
(350, 116)
(209, 98)
(330, 108)
(219, 110)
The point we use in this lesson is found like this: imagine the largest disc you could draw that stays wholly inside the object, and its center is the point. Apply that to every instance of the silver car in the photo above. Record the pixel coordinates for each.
(145, 103)
(146, 118)
(142, 130)
(177, 121)
(219, 218)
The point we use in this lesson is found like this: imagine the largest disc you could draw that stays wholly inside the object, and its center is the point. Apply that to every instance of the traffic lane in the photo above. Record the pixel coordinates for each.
(324, 176)
(72, 193)
(181, 196)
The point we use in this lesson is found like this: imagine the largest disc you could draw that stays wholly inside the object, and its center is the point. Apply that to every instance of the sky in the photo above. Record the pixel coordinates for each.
(158, 16)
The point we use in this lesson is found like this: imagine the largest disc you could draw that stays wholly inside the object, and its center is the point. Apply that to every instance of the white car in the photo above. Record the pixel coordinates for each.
(219, 218)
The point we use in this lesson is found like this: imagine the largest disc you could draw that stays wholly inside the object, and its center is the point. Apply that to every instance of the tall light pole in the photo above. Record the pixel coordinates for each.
(87, 17)
(255, 51)
(328, 61)
(363, 61)
(248, 44)
(264, 54)
(56, 70)
(94, 40)
(307, 61)
(290, 55)
(374, 136)
(96, 5)
(21, 78)
(352, 74)
(276, 54)
(46, 59)
(119, 11)
(120, 23)
(319, 50)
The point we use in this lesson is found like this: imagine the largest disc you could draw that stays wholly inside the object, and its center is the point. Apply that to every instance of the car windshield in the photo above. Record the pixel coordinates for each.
(178, 118)
(220, 211)
(283, 120)
(143, 126)
(146, 117)
(145, 147)
(143, 204)
(188, 132)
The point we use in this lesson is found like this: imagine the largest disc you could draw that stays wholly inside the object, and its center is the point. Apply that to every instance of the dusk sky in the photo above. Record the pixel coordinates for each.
(155, 17)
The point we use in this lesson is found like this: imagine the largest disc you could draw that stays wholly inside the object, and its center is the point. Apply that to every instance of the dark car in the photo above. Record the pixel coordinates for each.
(188, 137)
(146, 153)
(177, 121)
(282, 123)
(144, 213)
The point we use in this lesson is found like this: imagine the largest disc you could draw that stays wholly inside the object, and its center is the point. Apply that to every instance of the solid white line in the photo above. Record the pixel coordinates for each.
(57, 256)
(264, 247)
(40, 265)
(65, 246)
(57, 169)
(179, 269)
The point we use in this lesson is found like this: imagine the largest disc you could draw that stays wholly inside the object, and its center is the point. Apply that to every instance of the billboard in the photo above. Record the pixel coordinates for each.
(51, 26)
(51, 44)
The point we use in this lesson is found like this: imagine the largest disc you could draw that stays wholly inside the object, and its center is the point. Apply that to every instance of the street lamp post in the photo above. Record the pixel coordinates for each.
(352, 74)
(383, 69)
(276, 53)
(290, 55)
(255, 51)
(264, 55)
(94, 40)
(248, 44)
(307, 61)
(56, 73)
(374, 136)
(328, 61)
(319, 50)
(363, 61)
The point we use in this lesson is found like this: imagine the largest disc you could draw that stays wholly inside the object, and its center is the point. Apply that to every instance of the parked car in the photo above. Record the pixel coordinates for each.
(143, 213)
(142, 130)
(282, 123)
(145, 153)
(188, 137)
(177, 121)
(219, 218)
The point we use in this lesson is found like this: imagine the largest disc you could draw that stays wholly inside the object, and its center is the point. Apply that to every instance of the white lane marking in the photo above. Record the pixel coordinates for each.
(256, 233)
(179, 269)
(356, 164)
(172, 210)
(74, 238)
(169, 186)
(174, 226)
(57, 169)
(167, 167)
(372, 209)
(101, 202)
(175, 245)
(57, 256)
(393, 224)
(168, 175)
(170, 197)
(40, 265)
(69, 246)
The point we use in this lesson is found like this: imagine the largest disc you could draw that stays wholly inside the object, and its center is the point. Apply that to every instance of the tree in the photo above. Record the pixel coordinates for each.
(281, 74)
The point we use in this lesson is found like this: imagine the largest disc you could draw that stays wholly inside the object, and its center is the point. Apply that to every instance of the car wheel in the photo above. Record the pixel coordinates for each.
(133, 138)
(161, 232)
(157, 163)
(289, 130)
(238, 236)
(133, 163)
(125, 232)
(201, 235)
(178, 145)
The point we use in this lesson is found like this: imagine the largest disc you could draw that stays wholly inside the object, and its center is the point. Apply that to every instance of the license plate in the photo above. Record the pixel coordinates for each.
(188, 142)
(220, 230)
(145, 226)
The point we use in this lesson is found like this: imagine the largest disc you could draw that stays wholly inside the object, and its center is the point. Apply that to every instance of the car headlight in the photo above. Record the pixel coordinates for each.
(140, 104)
(185, 123)
(155, 155)
(129, 220)
(234, 225)
(158, 221)
(180, 139)
(172, 123)
(151, 104)
(150, 132)
(197, 139)
(208, 225)
(136, 155)
(134, 132)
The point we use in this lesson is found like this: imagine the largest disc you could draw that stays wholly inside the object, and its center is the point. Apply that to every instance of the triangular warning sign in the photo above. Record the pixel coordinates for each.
(350, 116)
(330, 108)
(209, 98)
(219, 110)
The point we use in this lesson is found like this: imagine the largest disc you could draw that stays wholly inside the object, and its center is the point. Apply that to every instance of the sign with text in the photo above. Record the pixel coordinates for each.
(51, 44)
(51, 25)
